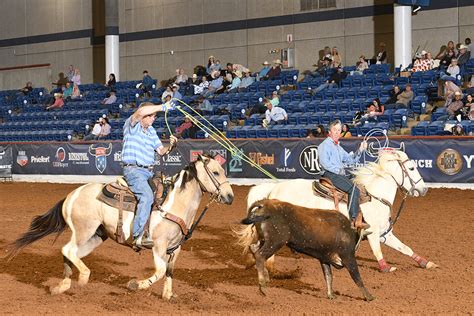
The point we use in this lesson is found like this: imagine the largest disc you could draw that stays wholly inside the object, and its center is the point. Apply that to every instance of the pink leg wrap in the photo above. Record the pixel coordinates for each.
(422, 262)
(384, 266)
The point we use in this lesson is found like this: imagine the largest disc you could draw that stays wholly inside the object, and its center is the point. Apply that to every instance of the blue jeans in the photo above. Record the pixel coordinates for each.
(137, 179)
(343, 183)
(324, 86)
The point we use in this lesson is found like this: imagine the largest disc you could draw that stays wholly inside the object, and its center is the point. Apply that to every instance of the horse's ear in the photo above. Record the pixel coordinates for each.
(199, 157)
(402, 146)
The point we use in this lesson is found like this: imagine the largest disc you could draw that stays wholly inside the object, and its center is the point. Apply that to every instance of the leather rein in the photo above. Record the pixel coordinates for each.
(187, 233)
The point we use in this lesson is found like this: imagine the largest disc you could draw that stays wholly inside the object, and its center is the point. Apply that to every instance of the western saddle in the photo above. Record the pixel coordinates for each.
(326, 189)
(118, 195)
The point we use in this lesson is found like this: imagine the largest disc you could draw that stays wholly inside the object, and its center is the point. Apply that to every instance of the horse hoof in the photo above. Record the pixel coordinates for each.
(431, 265)
(61, 288)
(331, 296)
(133, 285)
(387, 269)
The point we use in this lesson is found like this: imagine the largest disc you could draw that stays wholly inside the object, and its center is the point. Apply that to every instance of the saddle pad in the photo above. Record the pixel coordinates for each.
(326, 189)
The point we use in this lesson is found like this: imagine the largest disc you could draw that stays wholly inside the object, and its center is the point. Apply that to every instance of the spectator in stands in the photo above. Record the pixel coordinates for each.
(27, 89)
(181, 78)
(333, 81)
(429, 61)
(450, 88)
(236, 80)
(374, 110)
(58, 102)
(77, 77)
(176, 93)
(324, 65)
(336, 58)
(76, 93)
(345, 132)
(458, 130)
(167, 92)
(361, 66)
(247, 80)
(95, 132)
(212, 65)
(469, 44)
(67, 93)
(464, 55)
(259, 108)
(216, 84)
(275, 100)
(111, 82)
(419, 64)
(239, 67)
(60, 84)
(147, 83)
(444, 51)
(391, 103)
(470, 106)
(111, 99)
(275, 71)
(320, 131)
(381, 57)
(203, 86)
(274, 115)
(70, 72)
(227, 75)
(452, 71)
(105, 128)
(455, 106)
(204, 106)
(446, 60)
(264, 71)
(404, 98)
(182, 131)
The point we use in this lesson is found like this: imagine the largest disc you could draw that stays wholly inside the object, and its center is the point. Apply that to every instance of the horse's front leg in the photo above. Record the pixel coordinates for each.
(374, 242)
(160, 260)
(392, 241)
(168, 286)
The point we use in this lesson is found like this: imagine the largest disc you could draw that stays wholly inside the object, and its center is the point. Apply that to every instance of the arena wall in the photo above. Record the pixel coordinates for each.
(67, 32)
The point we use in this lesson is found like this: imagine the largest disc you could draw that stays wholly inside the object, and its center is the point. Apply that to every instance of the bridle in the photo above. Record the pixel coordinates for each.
(214, 181)
(405, 174)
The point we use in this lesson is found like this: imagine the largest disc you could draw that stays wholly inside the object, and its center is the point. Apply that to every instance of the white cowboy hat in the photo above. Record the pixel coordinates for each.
(278, 62)
(424, 52)
(462, 46)
(266, 63)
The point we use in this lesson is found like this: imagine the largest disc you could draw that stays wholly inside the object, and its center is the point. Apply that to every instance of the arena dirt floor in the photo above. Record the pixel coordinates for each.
(211, 278)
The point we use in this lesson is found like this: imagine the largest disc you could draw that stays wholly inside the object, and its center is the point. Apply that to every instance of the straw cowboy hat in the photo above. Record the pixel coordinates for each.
(266, 63)
(462, 46)
(277, 62)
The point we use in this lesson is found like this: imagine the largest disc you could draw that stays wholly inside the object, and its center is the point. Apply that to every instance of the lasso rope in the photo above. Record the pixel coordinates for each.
(216, 135)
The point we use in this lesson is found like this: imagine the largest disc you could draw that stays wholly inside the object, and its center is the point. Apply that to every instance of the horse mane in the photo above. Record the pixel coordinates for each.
(367, 174)
(190, 171)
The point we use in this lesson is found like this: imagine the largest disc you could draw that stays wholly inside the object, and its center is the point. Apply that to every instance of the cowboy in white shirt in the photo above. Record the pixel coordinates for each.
(274, 114)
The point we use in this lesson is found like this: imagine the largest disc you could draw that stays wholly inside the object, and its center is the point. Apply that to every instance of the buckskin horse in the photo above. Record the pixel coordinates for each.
(92, 222)
(394, 170)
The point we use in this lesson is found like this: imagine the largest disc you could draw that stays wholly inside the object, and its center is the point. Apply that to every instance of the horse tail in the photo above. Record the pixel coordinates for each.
(40, 227)
(246, 233)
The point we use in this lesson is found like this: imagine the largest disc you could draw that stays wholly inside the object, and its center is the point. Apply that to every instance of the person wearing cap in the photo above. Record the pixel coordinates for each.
(140, 142)
(236, 80)
(247, 80)
(324, 65)
(455, 106)
(111, 99)
(463, 55)
(264, 71)
(274, 115)
(176, 93)
(333, 159)
(94, 134)
(275, 71)
(216, 85)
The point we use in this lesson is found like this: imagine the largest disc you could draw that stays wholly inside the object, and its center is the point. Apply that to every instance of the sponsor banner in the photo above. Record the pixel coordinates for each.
(6, 161)
(438, 160)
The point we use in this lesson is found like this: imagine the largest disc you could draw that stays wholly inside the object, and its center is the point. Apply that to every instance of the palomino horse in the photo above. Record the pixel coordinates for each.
(394, 170)
(92, 221)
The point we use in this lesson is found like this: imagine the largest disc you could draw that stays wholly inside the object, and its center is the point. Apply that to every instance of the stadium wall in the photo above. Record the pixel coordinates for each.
(67, 32)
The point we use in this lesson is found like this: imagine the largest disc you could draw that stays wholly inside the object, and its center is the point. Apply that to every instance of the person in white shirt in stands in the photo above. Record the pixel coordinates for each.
(94, 135)
(274, 115)
(111, 99)
(105, 128)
